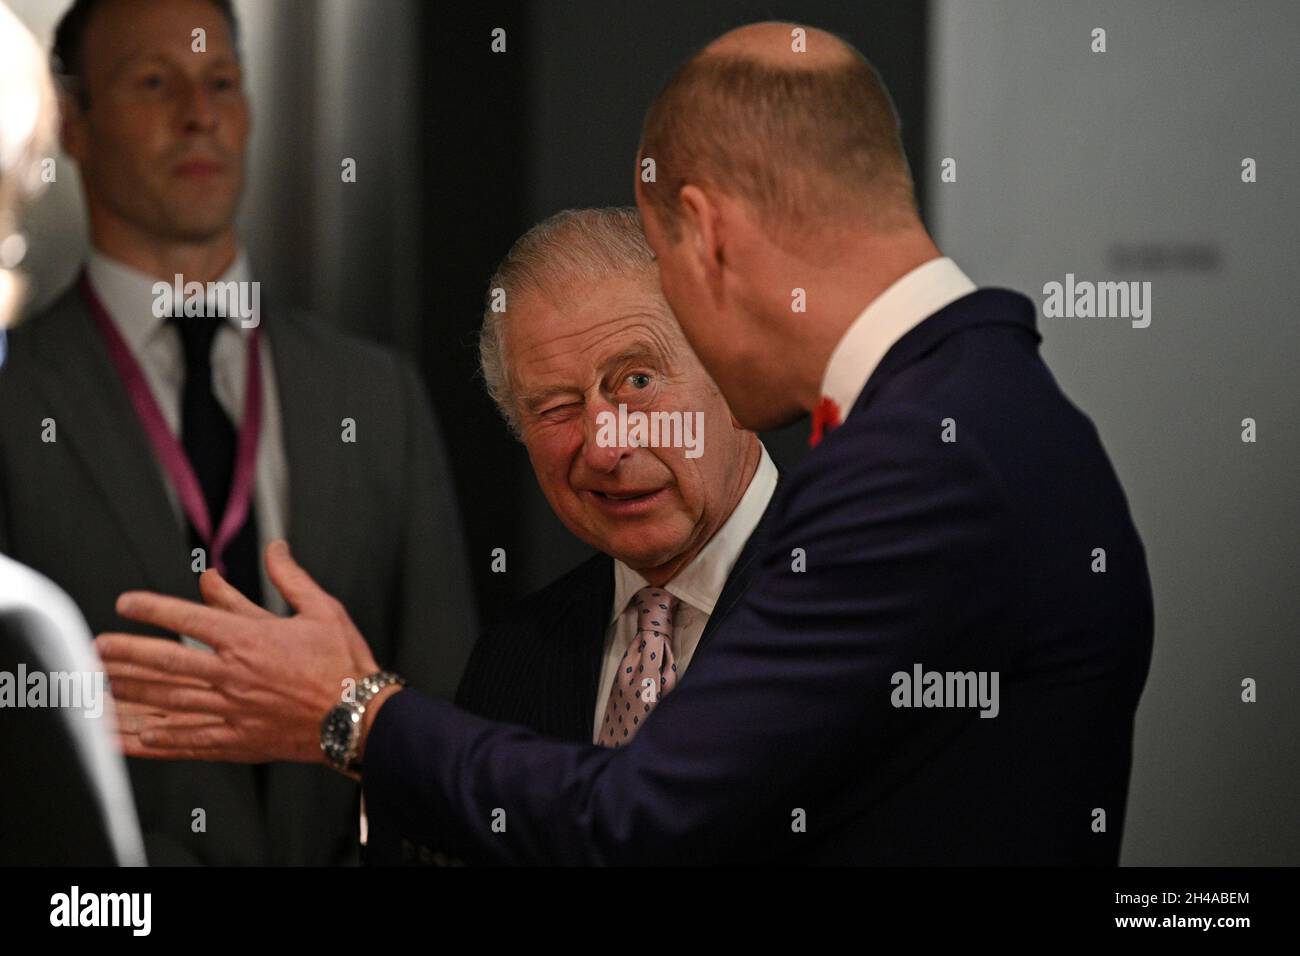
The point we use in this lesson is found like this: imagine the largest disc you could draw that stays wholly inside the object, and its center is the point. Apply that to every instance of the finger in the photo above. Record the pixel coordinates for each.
(141, 722)
(169, 657)
(131, 746)
(120, 669)
(303, 594)
(213, 739)
(220, 593)
(169, 697)
(131, 708)
(216, 628)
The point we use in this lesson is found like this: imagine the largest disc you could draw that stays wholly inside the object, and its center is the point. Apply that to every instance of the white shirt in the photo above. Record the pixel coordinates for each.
(697, 586)
(128, 296)
(891, 315)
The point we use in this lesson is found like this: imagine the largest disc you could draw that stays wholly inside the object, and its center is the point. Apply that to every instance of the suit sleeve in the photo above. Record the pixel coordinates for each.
(793, 694)
(436, 615)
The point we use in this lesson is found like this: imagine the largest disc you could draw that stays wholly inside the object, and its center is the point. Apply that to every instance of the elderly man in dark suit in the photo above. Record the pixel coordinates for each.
(146, 435)
(585, 329)
(940, 656)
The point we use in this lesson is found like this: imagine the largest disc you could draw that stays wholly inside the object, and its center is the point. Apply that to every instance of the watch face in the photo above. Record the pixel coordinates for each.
(336, 734)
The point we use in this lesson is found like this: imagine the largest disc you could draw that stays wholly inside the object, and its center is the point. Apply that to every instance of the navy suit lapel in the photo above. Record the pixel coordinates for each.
(742, 573)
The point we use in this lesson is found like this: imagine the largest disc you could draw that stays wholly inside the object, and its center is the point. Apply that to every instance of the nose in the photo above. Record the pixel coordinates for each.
(600, 449)
(197, 112)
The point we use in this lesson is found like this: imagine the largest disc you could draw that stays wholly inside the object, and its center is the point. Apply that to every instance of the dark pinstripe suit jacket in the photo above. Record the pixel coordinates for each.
(540, 667)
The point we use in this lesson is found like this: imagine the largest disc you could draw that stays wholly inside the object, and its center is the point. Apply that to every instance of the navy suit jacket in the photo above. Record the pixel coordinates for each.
(784, 743)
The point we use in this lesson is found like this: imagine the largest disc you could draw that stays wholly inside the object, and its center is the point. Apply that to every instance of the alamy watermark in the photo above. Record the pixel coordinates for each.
(80, 689)
(922, 688)
(75, 908)
(639, 429)
(1103, 300)
(236, 300)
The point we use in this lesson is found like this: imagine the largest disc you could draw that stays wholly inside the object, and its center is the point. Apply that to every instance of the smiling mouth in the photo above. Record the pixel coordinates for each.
(626, 496)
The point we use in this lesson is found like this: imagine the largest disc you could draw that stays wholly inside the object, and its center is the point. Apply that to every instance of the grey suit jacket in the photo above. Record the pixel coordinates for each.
(373, 521)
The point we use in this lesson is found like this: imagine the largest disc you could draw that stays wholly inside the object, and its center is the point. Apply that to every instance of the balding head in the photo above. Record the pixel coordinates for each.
(791, 119)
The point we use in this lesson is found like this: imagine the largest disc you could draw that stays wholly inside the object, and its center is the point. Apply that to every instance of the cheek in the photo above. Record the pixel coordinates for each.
(688, 486)
(235, 126)
(141, 140)
(552, 453)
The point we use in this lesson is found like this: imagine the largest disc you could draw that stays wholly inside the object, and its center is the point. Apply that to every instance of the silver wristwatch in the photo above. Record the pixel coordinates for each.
(340, 731)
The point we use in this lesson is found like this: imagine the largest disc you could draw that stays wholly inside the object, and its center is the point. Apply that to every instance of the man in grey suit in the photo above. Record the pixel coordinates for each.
(146, 435)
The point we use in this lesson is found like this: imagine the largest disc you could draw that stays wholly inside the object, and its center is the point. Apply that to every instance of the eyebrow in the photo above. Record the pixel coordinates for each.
(637, 352)
(535, 399)
(147, 55)
(632, 353)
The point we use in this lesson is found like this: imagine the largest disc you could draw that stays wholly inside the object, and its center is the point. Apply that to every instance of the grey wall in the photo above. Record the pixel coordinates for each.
(1126, 165)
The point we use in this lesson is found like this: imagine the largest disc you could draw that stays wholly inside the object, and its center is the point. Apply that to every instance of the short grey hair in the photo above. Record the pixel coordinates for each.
(576, 246)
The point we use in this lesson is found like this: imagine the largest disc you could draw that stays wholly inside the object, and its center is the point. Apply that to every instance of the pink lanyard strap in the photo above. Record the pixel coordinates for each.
(169, 450)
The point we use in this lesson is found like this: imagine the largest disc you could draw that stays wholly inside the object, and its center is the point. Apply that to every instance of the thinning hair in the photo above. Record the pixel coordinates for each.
(571, 248)
(804, 145)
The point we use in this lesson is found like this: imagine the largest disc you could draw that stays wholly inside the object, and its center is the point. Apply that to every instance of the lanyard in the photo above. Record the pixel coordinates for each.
(169, 450)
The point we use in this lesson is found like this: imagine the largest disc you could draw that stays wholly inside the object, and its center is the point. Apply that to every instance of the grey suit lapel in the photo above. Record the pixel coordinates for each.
(305, 426)
(94, 415)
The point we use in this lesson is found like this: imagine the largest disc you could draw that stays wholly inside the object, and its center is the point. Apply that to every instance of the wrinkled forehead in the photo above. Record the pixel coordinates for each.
(588, 325)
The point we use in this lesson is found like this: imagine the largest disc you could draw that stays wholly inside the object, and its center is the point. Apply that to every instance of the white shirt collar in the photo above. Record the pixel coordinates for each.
(700, 583)
(891, 315)
(128, 296)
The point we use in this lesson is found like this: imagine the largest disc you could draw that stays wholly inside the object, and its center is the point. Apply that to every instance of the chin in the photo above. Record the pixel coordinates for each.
(639, 556)
(204, 231)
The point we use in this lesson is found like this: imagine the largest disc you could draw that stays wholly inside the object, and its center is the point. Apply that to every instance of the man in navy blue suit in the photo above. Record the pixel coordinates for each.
(941, 653)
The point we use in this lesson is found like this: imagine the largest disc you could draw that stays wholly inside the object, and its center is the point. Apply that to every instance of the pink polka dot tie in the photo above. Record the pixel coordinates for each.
(647, 671)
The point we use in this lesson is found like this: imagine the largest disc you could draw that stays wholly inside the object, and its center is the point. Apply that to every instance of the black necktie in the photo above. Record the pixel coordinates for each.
(210, 442)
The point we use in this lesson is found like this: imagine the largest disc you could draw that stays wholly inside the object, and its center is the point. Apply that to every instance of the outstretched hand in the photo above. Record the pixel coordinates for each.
(260, 695)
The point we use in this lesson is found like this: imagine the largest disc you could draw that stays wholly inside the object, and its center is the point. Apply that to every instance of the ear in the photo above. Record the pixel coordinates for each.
(72, 126)
(702, 228)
